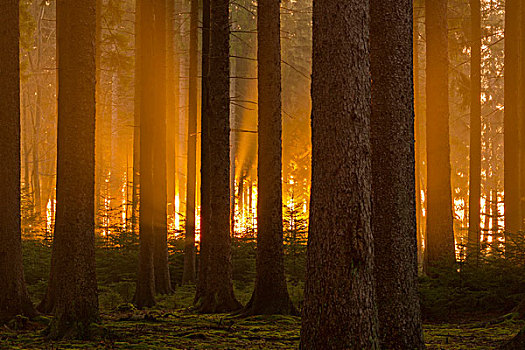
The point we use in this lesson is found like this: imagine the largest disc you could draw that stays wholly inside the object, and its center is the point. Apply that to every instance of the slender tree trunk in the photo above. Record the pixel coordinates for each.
(188, 276)
(511, 121)
(393, 175)
(145, 291)
(158, 137)
(440, 247)
(218, 295)
(136, 120)
(76, 301)
(100, 108)
(205, 159)
(339, 310)
(270, 295)
(475, 134)
(14, 299)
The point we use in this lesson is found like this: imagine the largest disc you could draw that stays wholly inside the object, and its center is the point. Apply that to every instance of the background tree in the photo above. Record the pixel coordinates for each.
(76, 304)
(339, 309)
(218, 294)
(14, 299)
(270, 295)
(440, 247)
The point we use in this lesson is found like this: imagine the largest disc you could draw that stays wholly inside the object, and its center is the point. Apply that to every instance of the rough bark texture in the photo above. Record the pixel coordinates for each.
(188, 275)
(270, 295)
(393, 175)
(14, 299)
(205, 158)
(76, 301)
(158, 137)
(474, 208)
(511, 117)
(440, 247)
(218, 294)
(339, 309)
(145, 291)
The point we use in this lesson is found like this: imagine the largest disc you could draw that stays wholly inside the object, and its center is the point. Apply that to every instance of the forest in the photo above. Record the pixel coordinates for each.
(262, 174)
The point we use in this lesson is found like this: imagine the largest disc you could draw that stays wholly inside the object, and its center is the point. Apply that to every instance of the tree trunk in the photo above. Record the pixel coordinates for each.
(511, 117)
(475, 134)
(14, 299)
(393, 172)
(136, 120)
(339, 310)
(158, 138)
(218, 294)
(270, 295)
(188, 276)
(76, 301)
(205, 159)
(145, 291)
(440, 247)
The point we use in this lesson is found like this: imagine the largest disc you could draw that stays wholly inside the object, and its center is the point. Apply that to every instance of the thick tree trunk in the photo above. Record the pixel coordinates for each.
(145, 291)
(475, 134)
(339, 310)
(440, 247)
(158, 138)
(512, 168)
(218, 295)
(393, 175)
(14, 299)
(76, 301)
(270, 295)
(205, 159)
(188, 276)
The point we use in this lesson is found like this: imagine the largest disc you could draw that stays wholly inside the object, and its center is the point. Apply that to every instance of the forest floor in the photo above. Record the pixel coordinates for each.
(128, 328)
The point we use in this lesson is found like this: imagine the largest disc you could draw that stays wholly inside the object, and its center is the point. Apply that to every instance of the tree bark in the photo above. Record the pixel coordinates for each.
(511, 118)
(270, 295)
(158, 138)
(205, 159)
(136, 120)
(393, 175)
(218, 294)
(145, 291)
(440, 247)
(76, 301)
(14, 299)
(339, 310)
(473, 248)
(188, 276)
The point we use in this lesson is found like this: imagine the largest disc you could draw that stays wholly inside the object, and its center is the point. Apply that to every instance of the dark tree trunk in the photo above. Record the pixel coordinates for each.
(393, 175)
(440, 247)
(218, 294)
(145, 291)
(188, 276)
(339, 310)
(136, 121)
(511, 117)
(205, 159)
(76, 301)
(270, 295)
(158, 137)
(475, 134)
(14, 299)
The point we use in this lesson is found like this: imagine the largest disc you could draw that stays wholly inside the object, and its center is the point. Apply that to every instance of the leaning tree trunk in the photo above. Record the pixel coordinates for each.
(511, 117)
(270, 295)
(76, 301)
(188, 275)
(440, 247)
(14, 299)
(339, 310)
(205, 159)
(393, 175)
(218, 294)
(145, 291)
(158, 138)
(474, 207)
